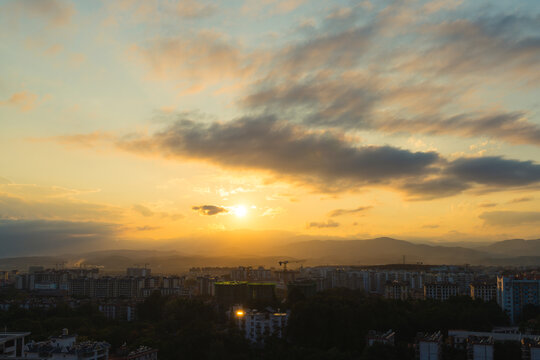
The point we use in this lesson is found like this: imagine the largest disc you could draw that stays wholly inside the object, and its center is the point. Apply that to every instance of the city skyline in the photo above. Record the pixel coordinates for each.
(144, 123)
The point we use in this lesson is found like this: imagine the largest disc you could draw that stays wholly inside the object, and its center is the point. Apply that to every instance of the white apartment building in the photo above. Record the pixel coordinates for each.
(256, 325)
(12, 344)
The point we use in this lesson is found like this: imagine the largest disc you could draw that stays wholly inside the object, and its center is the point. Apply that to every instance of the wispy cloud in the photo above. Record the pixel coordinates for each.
(322, 225)
(340, 212)
(511, 218)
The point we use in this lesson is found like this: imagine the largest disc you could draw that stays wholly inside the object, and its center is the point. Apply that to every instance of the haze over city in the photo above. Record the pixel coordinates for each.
(229, 128)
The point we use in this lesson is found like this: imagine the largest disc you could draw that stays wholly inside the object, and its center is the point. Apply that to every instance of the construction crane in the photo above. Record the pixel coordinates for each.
(284, 264)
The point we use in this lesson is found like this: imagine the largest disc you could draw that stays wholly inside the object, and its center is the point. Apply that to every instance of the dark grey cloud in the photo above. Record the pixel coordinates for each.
(329, 161)
(210, 210)
(511, 218)
(321, 225)
(495, 171)
(434, 188)
(340, 212)
(321, 158)
(37, 237)
(511, 127)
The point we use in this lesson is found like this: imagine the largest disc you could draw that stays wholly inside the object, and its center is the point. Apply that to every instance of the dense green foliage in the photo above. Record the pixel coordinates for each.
(330, 325)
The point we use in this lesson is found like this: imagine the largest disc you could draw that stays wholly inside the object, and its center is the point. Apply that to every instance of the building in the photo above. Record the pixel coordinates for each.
(397, 290)
(484, 291)
(257, 325)
(12, 344)
(119, 310)
(429, 346)
(66, 347)
(141, 353)
(205, 285)
(530, 348)
(480, 348)
(243, 273)
(138, 272)
(514, 292)
(376, 337)
(440, 291)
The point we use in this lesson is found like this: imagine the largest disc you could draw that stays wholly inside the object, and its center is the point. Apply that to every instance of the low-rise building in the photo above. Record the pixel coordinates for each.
(66, 347)
(440, 291)
(257, 325)
(12, 344)
(480, 348)
(429, 346)
(397, 290)
(484, 291)
(377, 337)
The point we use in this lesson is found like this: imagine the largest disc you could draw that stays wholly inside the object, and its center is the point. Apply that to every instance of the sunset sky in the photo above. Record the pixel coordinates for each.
(150, 121)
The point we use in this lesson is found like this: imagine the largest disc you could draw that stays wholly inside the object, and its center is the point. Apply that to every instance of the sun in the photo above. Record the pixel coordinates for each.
(240, 211)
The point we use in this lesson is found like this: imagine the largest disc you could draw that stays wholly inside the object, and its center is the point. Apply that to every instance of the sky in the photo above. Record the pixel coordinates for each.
(150, 122)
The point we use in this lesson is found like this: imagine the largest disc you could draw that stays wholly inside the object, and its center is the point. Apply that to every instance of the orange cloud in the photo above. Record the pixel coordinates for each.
(24, 101)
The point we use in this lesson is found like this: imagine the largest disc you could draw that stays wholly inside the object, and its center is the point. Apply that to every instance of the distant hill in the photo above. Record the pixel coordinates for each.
(382, 251)
(377, 251)
(514, 247)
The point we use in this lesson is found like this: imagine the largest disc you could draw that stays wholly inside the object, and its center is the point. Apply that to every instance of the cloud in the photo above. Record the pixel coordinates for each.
(191, 9)
(321, 225)
(511, 218)
(38, 237)
(487, 205)
(54, 12)
(204, 58)
(506, 45)
(24, 101)
(511, 127)
(495, 171)
(210, 210)
(439, 5)
(352, 101)
(147, 212)
(430, 226)
(323, 159)
(14, 207)
(521, 199)
(434, 188)
(147, 228)
(340, 212)
(82, 140)
(143, 210)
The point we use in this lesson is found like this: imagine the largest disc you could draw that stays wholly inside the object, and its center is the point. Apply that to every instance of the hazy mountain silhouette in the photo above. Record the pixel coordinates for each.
(382, 250)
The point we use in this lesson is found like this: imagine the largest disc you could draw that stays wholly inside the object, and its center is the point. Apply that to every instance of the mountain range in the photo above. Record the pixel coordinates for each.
(377, 251)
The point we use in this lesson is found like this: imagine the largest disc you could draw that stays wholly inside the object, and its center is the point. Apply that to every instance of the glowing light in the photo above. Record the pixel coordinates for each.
(240, 211)
(240, 313)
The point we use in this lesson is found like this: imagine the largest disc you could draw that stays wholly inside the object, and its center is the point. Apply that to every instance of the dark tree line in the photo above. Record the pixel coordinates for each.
(331, 325)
